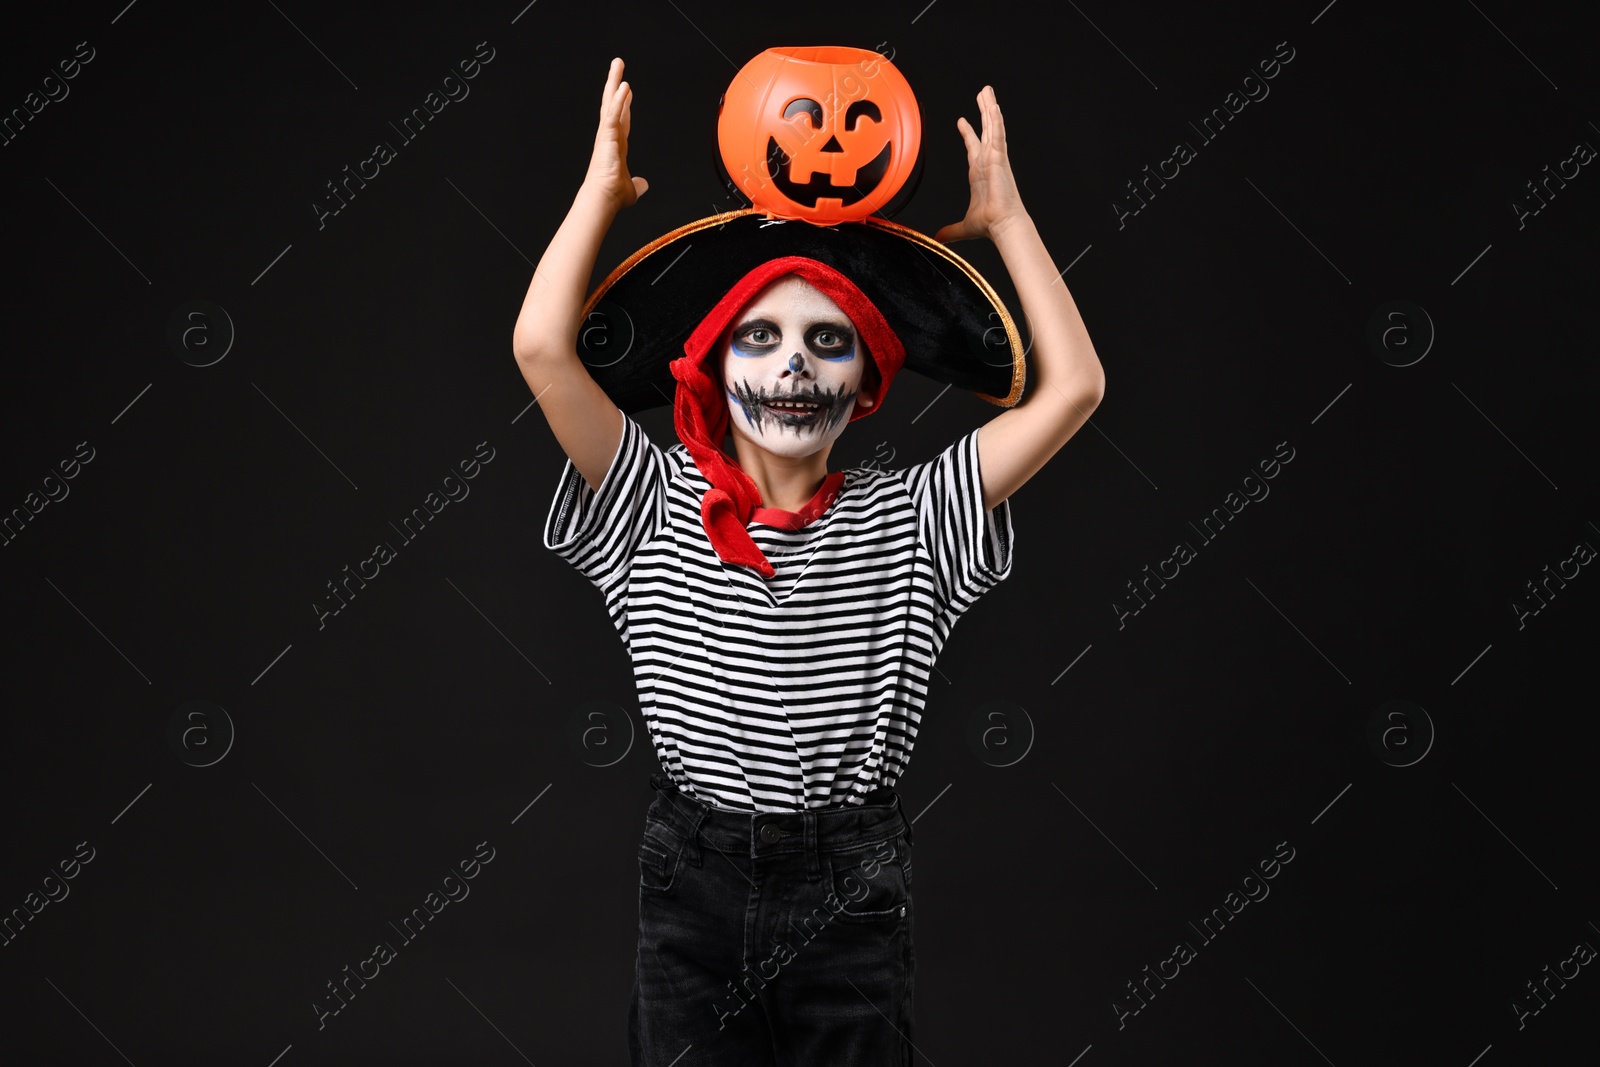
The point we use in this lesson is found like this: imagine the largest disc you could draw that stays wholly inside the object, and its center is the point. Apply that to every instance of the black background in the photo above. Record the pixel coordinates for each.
(1230, 314)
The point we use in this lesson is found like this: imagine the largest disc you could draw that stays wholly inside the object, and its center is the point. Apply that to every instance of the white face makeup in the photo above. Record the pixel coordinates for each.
(791, 368)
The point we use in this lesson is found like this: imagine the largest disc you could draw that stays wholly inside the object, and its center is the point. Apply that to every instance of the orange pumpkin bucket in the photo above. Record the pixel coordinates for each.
(826, 134)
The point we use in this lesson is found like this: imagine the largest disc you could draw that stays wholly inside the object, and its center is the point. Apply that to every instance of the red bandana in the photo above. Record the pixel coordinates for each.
(700, 412)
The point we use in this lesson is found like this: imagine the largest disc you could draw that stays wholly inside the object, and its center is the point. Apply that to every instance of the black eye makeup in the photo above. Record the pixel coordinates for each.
(756, 337)
(827, 340)
(831, 341)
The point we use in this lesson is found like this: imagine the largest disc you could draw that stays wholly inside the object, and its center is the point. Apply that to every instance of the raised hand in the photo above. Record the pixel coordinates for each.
(608, 167)
(995, 202)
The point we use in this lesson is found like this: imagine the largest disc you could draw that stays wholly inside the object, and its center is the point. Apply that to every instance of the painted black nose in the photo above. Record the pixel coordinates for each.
(833, 145)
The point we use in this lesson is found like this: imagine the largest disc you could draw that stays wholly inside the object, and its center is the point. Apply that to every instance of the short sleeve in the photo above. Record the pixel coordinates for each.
(970, 547)
(599, 530)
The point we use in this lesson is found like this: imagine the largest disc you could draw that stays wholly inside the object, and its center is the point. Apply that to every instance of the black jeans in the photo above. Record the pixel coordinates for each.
(772, 939)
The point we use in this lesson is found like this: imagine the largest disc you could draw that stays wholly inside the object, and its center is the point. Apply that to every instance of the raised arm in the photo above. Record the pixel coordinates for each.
(545, 340)
(1068, 379)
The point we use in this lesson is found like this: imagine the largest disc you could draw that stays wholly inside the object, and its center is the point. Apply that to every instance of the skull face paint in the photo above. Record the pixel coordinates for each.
(792, 366)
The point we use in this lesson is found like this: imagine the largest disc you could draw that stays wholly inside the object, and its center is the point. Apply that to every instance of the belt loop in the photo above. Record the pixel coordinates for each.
(692, 846)
(813, 865)
(902, 809)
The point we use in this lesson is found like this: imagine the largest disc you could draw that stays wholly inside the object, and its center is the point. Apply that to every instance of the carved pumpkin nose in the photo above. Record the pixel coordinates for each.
(833, 145)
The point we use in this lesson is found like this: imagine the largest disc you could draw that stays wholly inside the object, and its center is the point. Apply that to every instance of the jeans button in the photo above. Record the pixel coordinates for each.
(770, 833)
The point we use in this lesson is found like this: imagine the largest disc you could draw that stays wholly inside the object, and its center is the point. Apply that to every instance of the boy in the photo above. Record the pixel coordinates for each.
(783, 620)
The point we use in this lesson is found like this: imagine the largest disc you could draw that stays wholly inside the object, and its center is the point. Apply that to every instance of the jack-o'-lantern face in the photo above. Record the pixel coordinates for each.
(826, 134)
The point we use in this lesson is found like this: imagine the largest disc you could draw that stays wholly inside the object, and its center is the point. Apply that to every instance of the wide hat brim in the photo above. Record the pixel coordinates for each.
(953, 325)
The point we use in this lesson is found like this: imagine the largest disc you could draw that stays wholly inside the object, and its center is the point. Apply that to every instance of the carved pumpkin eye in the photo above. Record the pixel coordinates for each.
(805, 106)
(859, 108)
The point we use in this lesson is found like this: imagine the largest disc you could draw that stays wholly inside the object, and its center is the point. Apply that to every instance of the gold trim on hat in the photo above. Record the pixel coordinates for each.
(1018, 361)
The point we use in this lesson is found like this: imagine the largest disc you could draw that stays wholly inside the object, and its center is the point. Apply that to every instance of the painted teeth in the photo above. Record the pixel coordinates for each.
(791, 405)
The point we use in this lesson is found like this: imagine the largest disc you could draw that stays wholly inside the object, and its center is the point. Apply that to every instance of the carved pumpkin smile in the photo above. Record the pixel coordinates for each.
(868, 177)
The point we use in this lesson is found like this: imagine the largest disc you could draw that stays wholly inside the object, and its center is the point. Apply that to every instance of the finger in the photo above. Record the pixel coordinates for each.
(956, 231)
(639, 186)
(999, 118)
(613, 76)
(992, 127)
(969, 138)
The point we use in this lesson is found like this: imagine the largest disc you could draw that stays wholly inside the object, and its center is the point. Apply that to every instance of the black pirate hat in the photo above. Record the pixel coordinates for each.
(953, 326)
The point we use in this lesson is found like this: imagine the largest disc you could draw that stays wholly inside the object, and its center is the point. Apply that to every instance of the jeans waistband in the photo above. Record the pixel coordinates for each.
(764, 833)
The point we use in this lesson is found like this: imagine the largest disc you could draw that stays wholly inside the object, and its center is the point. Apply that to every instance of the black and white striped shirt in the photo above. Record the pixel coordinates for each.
(805, 690)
